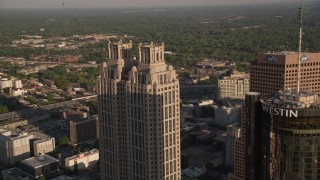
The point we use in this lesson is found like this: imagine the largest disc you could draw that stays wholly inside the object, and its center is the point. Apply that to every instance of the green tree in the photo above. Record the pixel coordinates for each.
(6, 90)
(4, 109)
(64, 141)
(50, 98)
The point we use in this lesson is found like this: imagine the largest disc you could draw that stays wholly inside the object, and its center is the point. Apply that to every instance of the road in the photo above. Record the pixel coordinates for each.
(37, 111)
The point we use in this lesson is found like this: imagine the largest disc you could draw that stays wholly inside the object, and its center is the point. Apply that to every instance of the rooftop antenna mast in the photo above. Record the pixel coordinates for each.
(300, 44)
(63, 3)
(65, 26)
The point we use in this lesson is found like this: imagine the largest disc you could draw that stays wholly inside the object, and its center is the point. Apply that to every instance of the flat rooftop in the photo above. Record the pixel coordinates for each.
(91, 118)
(197, 154)
(39, 161)
(282, 53)
(293, 99)
(17, 174)
(9, 134)
(85, 154)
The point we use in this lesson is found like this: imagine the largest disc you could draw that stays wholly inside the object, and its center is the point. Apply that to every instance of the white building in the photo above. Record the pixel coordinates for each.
(205, 102)
(83, 160)
(17, 84)
(17, 92)
(234, 86)
(5, 83)
(14, 147)
(43, 146)
(233, 133)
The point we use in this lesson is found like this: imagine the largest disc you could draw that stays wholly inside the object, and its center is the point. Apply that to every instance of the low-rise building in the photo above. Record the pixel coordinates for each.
(43, 144)
(83, 160)
(17, 92)
(48, 82)
(5, 83)
(225, 115)
(66, 58)
(38, 166)
(83, 130)
(234, 86)
(195, 157)
(205, 102)
(17, 144)
(14, 146)
(16, 174)
(77, 114)
(17, 84)
(193, 172)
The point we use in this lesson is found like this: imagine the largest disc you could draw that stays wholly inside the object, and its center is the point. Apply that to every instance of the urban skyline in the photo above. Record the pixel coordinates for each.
(179, 93)
(124, 4)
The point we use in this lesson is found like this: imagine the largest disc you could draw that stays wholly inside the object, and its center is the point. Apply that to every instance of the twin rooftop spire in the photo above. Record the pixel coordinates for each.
(148, 53)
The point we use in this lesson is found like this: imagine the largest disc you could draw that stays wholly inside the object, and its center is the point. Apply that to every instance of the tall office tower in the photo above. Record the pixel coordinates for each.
(284, 143)
(290, 132)
(245, 159)
(272, 72)
(138, 107)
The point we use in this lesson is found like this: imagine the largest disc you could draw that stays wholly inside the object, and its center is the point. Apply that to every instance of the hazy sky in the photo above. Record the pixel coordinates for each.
(120, 3)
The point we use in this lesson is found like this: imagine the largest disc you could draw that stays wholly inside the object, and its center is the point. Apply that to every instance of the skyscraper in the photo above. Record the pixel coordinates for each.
(280, 138)
(138, 104)
(290, 130)
(245, 153)
(272, 72)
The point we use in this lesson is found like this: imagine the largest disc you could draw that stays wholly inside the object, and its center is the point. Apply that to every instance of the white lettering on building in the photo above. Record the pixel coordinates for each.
(279, 112)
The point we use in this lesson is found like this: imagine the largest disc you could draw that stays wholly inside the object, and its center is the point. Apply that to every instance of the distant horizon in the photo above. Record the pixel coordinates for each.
(98, 4)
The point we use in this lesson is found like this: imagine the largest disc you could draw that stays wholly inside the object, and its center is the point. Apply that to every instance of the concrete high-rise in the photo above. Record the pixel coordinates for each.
(272, 72)
(139, 106)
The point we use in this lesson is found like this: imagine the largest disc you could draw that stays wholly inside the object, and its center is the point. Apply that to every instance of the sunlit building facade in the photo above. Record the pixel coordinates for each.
(139, 108)
(272, 72)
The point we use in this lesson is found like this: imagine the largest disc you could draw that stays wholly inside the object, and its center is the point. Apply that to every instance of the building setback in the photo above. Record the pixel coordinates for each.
(138, 105)
(272, 72)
